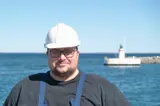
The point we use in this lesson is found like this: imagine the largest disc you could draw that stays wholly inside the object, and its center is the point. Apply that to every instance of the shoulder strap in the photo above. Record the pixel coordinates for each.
(76, 102)
(42, 91)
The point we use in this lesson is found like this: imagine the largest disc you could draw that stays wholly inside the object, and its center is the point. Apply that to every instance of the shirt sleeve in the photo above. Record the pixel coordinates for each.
(112, 96)
(13, 96)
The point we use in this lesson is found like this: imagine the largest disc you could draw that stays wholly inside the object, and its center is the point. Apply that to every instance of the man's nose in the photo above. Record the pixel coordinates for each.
(62, 56)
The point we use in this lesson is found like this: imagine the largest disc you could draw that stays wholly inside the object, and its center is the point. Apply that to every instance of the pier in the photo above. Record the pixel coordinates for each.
(146, 60)
(122, 59)
(150, 60)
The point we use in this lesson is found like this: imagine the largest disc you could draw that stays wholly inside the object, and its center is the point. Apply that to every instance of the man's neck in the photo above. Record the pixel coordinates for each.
(64, 79)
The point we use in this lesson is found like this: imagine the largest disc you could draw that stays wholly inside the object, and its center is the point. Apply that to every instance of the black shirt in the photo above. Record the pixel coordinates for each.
(97, 91)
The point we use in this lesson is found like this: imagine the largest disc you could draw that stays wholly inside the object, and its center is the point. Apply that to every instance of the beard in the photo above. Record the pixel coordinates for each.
(63, 75)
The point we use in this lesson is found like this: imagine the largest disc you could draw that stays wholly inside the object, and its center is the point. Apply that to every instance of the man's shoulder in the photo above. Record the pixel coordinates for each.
(108, 89)
(96, 79)
(30, 79)
(37, 76)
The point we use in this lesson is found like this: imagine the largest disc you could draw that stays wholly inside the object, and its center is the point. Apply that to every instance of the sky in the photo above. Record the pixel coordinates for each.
(102, 25)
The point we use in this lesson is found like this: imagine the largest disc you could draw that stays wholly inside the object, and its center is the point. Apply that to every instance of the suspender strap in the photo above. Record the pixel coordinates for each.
(79, 91)
(42, 92)
(76, 102)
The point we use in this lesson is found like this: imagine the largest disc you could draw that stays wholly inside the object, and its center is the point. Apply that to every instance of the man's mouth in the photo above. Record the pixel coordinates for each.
(62, 64)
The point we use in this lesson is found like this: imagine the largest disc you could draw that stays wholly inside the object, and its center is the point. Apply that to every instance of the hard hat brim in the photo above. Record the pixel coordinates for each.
(53, 45)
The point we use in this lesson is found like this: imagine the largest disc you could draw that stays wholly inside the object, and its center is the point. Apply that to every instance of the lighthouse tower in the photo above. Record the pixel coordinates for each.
(121, 52)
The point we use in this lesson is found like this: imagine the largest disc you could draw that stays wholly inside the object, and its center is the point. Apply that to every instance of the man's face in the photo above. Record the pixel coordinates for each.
(63, 60)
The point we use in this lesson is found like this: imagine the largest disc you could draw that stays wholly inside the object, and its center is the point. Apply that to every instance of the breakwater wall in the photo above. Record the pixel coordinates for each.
(150, 60)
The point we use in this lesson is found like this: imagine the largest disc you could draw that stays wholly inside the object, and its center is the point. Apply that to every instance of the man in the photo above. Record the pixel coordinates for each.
(64, 84)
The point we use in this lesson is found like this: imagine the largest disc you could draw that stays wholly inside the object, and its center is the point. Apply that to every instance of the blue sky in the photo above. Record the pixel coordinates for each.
(101, 25)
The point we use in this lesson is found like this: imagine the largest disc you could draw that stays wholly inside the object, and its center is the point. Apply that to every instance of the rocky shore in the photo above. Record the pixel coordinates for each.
(150, 60)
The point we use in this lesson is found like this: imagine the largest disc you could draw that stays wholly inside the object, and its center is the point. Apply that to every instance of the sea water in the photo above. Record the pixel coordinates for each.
(139, 84)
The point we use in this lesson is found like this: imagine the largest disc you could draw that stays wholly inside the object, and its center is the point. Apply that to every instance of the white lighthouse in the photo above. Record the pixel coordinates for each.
(121, 52)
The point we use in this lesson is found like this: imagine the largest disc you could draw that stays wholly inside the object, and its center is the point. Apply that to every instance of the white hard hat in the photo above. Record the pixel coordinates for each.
(61, 36)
